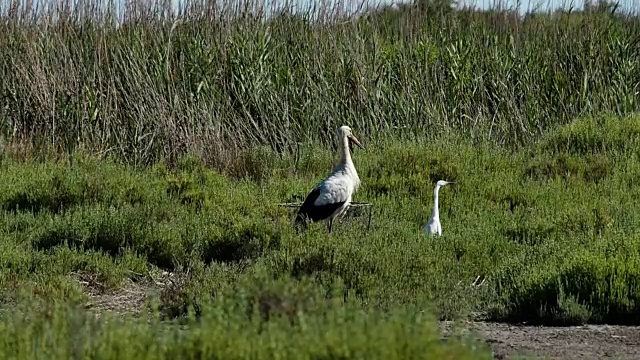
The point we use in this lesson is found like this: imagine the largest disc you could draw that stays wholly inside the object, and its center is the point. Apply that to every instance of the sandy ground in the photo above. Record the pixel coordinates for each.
(510, 341)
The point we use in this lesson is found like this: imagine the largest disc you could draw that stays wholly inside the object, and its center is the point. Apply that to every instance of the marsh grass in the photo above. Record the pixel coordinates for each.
(233, 113)
(558, 248)
(61, 331)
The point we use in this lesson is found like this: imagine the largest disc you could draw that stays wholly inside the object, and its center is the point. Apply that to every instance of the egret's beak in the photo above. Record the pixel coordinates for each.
(355, 141)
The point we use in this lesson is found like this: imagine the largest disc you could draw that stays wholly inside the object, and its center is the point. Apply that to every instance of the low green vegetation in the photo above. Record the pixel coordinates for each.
(209, 264)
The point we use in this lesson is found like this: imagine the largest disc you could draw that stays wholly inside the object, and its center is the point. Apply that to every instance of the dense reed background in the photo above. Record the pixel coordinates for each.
(215, 78)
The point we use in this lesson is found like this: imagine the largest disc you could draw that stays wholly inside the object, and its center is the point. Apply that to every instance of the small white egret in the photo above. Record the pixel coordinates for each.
(434, 227)
(332, 196)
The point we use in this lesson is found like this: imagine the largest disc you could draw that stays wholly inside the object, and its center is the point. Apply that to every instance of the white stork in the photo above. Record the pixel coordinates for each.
(433, 227)
(333, 195)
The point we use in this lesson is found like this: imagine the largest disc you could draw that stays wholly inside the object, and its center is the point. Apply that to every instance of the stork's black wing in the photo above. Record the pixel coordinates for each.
(316, 212)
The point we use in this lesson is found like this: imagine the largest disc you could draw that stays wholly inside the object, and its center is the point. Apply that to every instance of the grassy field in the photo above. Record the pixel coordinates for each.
(143, 163)
(553, 229)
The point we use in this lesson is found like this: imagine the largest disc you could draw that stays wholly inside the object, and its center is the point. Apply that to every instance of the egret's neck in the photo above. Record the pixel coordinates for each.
(436, 214)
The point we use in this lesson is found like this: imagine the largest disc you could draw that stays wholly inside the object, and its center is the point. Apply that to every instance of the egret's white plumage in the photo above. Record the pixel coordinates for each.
(333, 195)
(434, 227)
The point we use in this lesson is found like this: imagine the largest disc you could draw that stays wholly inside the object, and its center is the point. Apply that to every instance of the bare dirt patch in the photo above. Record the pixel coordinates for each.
(509, 341)
(128, 298)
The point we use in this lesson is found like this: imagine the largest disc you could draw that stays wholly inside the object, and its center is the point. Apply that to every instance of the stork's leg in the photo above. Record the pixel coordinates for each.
(330, 224)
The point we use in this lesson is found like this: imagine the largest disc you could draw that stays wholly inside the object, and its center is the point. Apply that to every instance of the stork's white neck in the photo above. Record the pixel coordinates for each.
(345, 153)
(346, 165)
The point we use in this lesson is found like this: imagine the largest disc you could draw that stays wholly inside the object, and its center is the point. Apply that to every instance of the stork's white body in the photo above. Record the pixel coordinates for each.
(332, 196)
(433, 226)
(339, 187)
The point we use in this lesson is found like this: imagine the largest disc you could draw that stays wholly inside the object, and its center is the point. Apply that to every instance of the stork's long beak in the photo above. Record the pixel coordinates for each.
(355, 141)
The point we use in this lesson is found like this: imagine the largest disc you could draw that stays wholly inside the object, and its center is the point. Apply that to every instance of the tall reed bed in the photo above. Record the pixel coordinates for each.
(150, 82)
